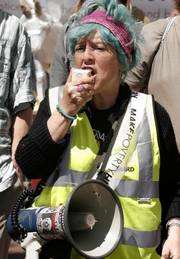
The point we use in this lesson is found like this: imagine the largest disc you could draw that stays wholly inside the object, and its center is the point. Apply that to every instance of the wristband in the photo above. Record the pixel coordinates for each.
(173, 222)
(64, 114)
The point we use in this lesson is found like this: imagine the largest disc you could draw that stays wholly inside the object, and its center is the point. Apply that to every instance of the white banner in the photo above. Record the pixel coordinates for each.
(60, 9)
(154, 9)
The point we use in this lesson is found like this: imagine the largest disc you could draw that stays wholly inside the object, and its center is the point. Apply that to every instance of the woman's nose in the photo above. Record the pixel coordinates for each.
(88, 56)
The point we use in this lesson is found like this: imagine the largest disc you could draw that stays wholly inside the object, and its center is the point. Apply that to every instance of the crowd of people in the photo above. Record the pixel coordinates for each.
(124, 103)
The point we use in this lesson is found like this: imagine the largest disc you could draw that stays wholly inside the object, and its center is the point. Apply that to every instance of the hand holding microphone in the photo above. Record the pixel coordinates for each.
(78, 90)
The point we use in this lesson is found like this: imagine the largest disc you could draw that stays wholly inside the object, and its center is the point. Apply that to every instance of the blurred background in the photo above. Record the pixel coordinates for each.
(59, 9)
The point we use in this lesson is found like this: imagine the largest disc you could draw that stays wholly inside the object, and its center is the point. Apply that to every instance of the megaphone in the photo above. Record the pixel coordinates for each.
(91, 220)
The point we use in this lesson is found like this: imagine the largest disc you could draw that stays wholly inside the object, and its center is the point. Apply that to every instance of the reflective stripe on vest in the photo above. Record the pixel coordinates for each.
(141, 239)
(126, 188)
(135, 181)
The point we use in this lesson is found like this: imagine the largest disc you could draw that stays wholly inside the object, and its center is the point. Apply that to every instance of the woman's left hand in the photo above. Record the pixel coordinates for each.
(19, 173)
(171, 247)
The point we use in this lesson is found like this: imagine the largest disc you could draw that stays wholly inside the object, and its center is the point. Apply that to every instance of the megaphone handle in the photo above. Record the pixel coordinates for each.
(19, 232)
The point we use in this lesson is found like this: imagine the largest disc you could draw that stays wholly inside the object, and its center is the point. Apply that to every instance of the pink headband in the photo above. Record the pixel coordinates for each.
(117, 28)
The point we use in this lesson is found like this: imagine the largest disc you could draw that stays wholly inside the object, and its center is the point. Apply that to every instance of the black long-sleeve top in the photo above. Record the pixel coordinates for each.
(38, 155)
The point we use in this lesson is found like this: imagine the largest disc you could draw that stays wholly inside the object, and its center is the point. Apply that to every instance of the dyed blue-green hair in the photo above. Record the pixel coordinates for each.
(76, 30)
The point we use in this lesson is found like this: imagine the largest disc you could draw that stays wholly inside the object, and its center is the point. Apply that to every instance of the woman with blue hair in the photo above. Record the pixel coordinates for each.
(60, 64)
(98, 121)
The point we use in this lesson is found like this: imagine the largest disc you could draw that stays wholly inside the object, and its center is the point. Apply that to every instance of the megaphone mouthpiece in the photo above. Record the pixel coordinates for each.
(82, 221)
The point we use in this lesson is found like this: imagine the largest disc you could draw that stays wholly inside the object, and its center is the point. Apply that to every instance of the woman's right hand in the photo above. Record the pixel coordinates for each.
(77, 93)
(75, 96)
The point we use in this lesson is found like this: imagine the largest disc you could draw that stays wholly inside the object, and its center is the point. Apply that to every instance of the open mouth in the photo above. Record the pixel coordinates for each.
(93, 72)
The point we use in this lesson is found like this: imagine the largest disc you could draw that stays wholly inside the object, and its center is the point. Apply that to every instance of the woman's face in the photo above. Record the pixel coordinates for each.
(92, 53)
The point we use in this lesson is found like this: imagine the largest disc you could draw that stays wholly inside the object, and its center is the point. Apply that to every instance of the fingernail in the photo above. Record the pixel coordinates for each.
(79, 88)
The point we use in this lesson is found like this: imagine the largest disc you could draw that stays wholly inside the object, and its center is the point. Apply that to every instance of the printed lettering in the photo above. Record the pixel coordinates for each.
(132, 125)
(98, 135)
(114, 167)
(133, 112)
(107, 175)
(134, 94)
(129, 136)
(119, 161)
(130, 169)
(125, 143)
(119, 158)
(124, 150)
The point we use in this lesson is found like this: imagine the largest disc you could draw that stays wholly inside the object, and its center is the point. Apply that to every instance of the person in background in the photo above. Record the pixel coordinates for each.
(42, 29)
(176, 9)
(16, 103)
(101, 39)
(158, 70)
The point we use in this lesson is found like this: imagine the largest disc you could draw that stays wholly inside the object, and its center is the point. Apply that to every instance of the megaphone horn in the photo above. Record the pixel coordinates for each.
(91, 220)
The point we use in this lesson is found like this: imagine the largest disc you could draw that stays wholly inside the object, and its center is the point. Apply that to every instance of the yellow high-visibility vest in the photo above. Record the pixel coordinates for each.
(133, 164)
